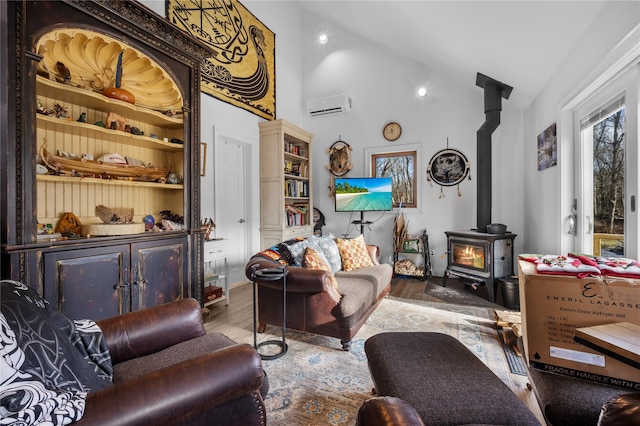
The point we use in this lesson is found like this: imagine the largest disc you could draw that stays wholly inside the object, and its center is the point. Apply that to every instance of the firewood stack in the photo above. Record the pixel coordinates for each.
(511, 324)
(407, 267)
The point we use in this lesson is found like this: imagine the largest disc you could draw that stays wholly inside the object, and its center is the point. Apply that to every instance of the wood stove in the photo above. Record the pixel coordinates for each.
(479, 258)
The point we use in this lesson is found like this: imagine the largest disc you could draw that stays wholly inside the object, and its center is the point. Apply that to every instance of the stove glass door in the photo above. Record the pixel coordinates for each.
(469, 254)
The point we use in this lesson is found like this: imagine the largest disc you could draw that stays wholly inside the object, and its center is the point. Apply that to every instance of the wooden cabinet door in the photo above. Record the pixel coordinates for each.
(91, 283)
(159, 272)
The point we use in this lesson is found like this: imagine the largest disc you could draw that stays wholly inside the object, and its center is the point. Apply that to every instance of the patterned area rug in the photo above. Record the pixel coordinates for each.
(316, 383)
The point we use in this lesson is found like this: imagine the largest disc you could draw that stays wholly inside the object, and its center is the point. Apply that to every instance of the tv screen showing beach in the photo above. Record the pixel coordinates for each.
(363, 194)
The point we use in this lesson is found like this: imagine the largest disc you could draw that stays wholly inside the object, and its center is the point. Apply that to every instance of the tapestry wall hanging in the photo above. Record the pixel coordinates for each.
(243, 71)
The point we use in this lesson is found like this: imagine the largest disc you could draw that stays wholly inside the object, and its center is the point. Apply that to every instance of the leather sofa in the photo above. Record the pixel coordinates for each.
(153, 366)
(313, 305)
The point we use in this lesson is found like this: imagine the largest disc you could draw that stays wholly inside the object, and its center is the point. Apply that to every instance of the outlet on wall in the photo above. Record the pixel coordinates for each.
(432, 252)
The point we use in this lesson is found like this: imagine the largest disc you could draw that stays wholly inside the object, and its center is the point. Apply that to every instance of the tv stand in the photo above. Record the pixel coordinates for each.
(362, 223)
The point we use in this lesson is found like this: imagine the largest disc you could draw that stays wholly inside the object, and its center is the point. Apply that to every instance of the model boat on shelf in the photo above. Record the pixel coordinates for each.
(92, 168)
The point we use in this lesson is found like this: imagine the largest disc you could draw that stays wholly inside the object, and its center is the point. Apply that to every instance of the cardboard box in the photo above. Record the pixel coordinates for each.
(553, 306)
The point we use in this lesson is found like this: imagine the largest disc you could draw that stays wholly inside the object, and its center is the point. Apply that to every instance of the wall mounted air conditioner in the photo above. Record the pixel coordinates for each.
(330, 105)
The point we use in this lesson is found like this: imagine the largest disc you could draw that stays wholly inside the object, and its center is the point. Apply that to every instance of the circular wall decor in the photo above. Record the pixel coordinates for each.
(392, 131)
(448, 167)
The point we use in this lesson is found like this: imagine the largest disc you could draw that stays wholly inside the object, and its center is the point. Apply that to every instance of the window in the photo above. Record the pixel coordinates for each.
(401, 168)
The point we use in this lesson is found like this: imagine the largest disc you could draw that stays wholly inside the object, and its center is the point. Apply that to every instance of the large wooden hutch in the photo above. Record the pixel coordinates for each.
(89, 276)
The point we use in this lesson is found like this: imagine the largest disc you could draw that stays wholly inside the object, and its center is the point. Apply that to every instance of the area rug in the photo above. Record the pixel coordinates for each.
(316, 383)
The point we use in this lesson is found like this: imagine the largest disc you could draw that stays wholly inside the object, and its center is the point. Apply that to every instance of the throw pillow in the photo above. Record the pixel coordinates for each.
(315, 260)
(53, 345)
(354, 253)
(26, 400)
(297, 249)
(327, 244)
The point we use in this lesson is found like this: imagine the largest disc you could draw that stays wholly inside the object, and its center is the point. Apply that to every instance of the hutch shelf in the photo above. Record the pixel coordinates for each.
(60, 109)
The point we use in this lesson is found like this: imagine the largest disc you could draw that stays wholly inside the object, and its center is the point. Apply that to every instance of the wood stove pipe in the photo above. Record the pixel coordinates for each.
(494, 91)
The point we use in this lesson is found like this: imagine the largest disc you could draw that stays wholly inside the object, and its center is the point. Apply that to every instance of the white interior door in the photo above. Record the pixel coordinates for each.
(231, 202)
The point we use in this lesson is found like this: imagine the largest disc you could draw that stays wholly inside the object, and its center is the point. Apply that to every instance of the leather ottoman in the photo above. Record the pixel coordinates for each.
(444, 381)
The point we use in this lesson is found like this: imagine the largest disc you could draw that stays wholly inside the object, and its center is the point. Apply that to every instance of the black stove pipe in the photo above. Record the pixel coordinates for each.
(494, 91)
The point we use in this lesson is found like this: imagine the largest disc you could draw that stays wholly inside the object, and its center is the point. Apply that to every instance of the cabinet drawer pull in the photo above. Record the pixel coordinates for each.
(119, 286)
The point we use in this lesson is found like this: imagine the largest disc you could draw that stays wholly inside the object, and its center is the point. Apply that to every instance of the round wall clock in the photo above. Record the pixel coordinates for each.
(392, 131)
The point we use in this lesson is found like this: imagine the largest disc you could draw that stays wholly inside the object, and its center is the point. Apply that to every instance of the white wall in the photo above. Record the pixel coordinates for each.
(382, 86)
(544, 222)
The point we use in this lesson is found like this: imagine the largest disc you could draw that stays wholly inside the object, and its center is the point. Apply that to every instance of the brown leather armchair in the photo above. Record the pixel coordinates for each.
(169, 371)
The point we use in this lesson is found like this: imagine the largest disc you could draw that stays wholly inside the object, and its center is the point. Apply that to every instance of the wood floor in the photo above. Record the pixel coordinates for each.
(236, 322)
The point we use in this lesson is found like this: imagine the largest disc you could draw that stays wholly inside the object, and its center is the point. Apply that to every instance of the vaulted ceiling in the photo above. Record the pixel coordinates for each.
(521, 43)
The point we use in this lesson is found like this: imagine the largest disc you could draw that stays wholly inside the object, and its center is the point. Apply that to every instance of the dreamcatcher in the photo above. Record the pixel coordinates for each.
(448, 167)
(339, 162)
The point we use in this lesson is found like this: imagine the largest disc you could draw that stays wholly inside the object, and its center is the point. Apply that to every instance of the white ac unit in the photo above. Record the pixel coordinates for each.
(330, 105)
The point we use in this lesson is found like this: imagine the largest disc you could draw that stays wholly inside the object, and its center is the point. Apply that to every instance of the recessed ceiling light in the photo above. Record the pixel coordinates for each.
(422, 92)
(323, 38)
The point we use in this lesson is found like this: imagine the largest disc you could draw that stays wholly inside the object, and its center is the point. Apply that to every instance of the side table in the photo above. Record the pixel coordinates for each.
(270, 274)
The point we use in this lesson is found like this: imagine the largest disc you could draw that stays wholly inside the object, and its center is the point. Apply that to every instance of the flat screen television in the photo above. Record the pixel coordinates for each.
(363, 194)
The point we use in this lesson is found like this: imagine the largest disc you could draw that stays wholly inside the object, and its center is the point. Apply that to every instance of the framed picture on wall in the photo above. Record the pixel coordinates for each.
(547, 148)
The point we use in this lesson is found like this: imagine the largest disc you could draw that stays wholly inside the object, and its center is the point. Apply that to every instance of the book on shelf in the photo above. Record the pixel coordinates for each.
(295, 188)
(294, 216)
(303, 207)
(298, 169)
(295, 149)
(288, 167)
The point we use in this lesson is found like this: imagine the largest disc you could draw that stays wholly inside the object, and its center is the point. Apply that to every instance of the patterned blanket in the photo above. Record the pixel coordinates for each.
(583, 265)
(48, 362)
(612, 266)
(560, 265)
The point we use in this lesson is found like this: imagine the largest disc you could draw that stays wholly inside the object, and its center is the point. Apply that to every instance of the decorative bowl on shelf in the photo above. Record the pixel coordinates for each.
(120, 94)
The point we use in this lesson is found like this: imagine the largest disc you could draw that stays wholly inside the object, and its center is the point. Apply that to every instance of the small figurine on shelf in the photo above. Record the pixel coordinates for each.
(149, 222)
(60, 111)
(171, 221)
(40, 109)
(63, 72)
(116, 122)
(209, 226)
(82, 118)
